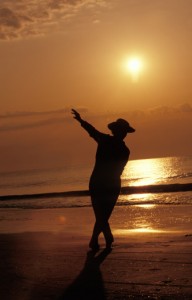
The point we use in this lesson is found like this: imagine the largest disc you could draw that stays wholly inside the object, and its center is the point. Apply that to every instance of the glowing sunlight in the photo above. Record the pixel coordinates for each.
(134, 66)
(145, 172)
(137, 230)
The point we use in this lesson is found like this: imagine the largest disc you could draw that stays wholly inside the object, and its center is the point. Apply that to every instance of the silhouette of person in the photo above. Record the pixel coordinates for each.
(105, 182)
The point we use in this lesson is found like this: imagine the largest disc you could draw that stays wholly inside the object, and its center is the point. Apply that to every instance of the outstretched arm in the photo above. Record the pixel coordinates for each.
(94, 133)
(76, 115)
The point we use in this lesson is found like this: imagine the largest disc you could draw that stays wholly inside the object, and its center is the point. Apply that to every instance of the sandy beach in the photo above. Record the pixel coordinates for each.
(44, 254)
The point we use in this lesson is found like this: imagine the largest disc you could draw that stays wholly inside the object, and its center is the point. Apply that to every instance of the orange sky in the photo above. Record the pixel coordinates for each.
(55, 55)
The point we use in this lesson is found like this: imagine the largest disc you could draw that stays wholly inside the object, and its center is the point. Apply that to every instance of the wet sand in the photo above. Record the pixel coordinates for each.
(44, 254)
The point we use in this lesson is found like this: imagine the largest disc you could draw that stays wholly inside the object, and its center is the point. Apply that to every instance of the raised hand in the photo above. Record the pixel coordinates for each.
(76, 115)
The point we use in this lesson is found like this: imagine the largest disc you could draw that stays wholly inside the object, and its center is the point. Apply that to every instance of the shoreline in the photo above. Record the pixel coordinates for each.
(44, 254)
(125, 190)
(146, 218)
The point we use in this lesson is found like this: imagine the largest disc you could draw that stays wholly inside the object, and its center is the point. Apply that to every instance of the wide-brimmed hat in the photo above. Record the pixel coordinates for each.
(121, 124)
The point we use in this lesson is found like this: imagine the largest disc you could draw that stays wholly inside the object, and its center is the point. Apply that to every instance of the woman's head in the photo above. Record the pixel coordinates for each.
(120, 128)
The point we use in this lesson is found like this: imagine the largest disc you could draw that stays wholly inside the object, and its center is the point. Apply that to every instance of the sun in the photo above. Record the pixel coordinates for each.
(134, 66)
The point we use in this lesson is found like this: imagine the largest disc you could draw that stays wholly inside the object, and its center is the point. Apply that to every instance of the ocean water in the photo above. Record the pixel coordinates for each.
(150, 181)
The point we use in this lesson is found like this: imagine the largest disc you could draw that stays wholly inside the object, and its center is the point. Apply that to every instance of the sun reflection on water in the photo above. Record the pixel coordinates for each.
(144, 200)
(147, 171)
(147, 206)
(145, 231)
(137, 230)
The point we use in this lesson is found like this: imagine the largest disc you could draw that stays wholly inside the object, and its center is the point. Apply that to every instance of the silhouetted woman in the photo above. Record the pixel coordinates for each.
(105, 183)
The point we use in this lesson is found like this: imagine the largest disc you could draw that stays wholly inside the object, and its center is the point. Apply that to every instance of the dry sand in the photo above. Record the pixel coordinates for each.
(44, 254)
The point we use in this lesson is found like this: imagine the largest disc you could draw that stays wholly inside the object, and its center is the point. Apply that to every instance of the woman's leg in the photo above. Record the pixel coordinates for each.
(97, 229)
(94, 244)
(106, 226)
(103, 208)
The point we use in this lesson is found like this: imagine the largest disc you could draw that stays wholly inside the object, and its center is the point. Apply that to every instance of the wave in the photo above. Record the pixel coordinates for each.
(126, 190)
(181, 176)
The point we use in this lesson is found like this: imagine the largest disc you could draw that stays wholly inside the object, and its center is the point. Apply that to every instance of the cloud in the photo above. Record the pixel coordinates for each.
(163, 111)
(186, 107)
(24, 18)
(32, 113)
(19, 114)
(171, 110)
(33, 119)
(31, 124)
(21, 120)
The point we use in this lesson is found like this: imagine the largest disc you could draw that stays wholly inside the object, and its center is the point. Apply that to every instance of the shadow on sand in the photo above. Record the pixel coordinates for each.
(89, 283)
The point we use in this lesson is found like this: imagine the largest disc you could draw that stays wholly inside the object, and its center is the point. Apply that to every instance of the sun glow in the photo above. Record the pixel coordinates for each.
(134, 66)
